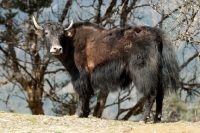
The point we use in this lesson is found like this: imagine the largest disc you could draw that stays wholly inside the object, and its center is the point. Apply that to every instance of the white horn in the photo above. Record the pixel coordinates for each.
(70, 26)
(35, 23)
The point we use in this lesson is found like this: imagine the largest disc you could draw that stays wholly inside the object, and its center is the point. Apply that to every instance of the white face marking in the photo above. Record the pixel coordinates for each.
(56, 50)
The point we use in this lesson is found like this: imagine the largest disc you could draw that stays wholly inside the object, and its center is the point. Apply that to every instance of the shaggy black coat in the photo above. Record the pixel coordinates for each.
(100, 59)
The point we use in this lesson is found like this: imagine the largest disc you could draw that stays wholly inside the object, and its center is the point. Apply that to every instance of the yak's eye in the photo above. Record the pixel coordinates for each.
(46, 33)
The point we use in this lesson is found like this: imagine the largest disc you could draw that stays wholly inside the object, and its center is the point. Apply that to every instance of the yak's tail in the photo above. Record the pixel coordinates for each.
(170, 67)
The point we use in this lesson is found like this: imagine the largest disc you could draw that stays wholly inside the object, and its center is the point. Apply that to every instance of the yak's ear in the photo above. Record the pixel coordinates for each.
(38, 32)
(68, 33)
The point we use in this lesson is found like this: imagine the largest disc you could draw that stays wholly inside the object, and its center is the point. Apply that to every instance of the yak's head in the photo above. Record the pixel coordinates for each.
(53, 33)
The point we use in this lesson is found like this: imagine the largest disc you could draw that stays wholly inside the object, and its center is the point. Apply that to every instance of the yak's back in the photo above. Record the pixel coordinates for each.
(118, 44)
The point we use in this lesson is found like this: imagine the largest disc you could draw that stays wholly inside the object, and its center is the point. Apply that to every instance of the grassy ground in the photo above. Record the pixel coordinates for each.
(24, 123)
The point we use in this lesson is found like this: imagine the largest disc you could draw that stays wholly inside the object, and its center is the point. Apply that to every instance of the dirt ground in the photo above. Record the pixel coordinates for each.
(24, 123)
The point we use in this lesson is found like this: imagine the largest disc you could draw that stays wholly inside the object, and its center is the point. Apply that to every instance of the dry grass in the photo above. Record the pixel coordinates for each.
(24, 123)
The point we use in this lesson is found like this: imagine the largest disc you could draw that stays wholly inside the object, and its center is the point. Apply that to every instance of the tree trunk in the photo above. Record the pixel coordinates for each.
(36, 107)
(35, 97)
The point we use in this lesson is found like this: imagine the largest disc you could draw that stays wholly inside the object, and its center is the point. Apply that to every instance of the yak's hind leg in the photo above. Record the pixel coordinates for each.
(159, 104)
(147, 106)
(157, 95)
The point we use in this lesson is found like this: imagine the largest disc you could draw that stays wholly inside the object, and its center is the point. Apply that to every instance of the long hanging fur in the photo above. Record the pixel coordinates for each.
(141, 66)
(170, 71)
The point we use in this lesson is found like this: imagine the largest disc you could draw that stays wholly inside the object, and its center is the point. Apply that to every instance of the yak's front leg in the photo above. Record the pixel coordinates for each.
(83, 107)
(147, 107)
(83, 89)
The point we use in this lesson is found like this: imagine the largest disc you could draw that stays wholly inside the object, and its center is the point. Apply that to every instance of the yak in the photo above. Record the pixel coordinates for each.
(107, 59)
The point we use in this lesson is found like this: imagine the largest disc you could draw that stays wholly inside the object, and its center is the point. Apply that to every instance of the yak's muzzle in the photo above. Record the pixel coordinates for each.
(56, 50)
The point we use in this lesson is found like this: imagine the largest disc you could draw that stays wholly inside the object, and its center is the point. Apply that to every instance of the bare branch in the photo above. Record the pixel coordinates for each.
(135, 110)
(109, 10)
(188, 61)
(55, 71)
(65, 11)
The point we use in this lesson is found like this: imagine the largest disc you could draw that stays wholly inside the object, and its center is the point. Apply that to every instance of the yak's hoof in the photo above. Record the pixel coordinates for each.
(156, 120)
(142, 122)
(76, 116)
(83, 115)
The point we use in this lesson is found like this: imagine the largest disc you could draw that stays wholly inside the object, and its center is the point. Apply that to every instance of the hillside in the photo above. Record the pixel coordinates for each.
(24, 123)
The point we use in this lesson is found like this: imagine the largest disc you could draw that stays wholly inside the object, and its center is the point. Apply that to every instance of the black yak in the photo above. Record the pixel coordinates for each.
(101, 59)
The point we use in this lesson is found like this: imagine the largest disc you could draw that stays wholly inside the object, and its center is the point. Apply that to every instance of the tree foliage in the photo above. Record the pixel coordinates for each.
(30, 6)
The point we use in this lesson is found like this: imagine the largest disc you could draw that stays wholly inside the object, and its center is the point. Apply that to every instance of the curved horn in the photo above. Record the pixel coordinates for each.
(70, 26)
(35, 23)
